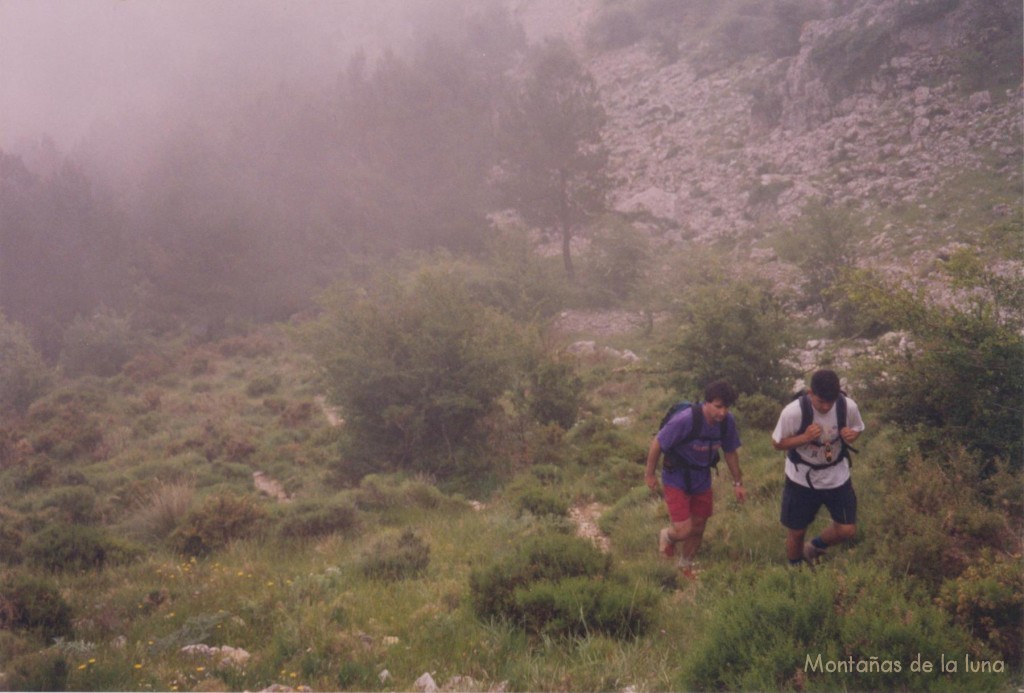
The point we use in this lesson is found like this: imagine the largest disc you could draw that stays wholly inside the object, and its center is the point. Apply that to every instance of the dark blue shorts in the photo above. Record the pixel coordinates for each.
(800, 504)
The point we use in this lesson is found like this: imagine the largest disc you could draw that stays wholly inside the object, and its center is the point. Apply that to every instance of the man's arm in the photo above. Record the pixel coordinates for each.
(653, 455)
(808, 436)
(732, 460)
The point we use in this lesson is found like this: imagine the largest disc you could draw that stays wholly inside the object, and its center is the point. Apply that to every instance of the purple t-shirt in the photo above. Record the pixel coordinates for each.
(699, 451)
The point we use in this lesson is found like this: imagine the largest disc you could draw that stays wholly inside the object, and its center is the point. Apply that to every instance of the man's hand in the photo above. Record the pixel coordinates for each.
(741, 493)
(849, 435)
(812, 433)
(652, 482)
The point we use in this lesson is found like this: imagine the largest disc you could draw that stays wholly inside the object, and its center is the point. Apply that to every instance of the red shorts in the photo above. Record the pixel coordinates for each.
(682, 505)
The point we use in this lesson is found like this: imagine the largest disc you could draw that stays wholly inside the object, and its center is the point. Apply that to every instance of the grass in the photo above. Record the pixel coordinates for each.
(305, 608)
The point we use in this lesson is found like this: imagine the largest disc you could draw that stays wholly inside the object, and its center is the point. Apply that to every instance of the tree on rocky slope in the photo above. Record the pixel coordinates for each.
(554, 158)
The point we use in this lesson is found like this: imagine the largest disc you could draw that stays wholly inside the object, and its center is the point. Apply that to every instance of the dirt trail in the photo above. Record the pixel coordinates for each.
(585, 517)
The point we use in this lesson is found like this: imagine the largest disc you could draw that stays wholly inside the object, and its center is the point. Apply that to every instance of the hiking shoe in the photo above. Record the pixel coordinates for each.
(812, 553)
(666, 546)
(688, 569)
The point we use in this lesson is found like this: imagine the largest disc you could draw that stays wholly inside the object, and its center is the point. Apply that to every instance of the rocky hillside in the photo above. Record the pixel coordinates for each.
(884, 106)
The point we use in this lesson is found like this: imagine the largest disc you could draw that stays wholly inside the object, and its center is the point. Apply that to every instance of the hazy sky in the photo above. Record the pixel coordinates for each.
(65, 63)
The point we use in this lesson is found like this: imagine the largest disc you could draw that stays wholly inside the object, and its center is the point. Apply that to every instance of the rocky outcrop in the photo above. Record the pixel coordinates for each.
(872, 111)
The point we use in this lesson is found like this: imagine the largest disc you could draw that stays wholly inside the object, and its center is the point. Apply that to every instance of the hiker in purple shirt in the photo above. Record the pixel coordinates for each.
(690, 441)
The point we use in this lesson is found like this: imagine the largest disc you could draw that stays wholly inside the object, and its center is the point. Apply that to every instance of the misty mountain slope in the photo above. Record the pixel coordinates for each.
(734, 151)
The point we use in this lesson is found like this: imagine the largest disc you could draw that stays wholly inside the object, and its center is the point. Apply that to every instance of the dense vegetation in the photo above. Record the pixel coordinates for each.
(355, 450)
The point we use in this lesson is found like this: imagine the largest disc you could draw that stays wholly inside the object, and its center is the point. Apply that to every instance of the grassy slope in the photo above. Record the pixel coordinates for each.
(305, 610)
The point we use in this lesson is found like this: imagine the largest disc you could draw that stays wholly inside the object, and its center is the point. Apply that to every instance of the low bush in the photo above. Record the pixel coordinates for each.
(73, 504)
(836, 628)
(758, 411)
(551, 557)
(46, 670)
(540, 501)
(162, 509)
(99, 345)
(555, 393)
(310, 519)
(397, 557)
(987, 599)
(263, 385)
(582, 605)
(930, 546)
(24, 377)
(77, 547)
(36, 605)
(219, 521)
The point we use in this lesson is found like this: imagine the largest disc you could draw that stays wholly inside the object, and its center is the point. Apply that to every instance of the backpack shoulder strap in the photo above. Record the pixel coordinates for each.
(806, 413)
(696, 424)
(841, 411)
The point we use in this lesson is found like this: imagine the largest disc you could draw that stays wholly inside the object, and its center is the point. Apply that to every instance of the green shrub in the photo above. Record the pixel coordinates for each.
(99, 345)
(767, 629)
(24, 377)
(34, 604)
(219, 521)
(932, 548)
(962, 381)
(615, 262)
(77, 547)
(987, 599)
(547, 473)
(73, 504)
(312, 519)
(555, 393)
(417, 367)
(162, 509)
(263, 385)
(758, 411)
(737, 331)
(551, 557)
(46, 670)
(542, 501)
(397, 558)
(581, 605)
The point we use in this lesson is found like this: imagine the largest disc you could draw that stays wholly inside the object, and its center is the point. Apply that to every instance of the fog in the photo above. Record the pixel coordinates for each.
(66, 66)
(199, 161)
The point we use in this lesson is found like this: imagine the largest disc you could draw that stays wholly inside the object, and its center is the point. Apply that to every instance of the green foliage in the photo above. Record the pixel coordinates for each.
(263, 385)
(541, 501)
(616, 262)
(399, 557)
(768, 626)
(549, 557)
(73, 548)
(758, 411)
(964, 375)
(221, 519)
(416, 369)
(162, 509)
(553, 155)
(736, 331)
(581, 605)
(73, 504)
(931, 547)
(987, 599)
(24, 377)
(822, 246)
(516, 279)
(559, 586)
(34, 604)
(312, 519)
(555, 393)
(45, 670)
(99, 345)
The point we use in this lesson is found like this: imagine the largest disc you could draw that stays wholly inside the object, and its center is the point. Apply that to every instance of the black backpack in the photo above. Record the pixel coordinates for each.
(674, 461)
(806, 417)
